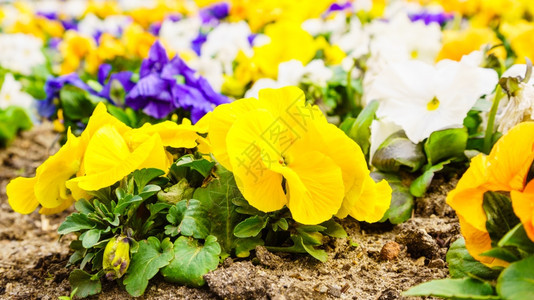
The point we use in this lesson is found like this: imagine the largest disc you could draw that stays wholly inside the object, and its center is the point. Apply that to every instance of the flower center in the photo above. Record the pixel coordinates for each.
(433, 104)
(414, 54)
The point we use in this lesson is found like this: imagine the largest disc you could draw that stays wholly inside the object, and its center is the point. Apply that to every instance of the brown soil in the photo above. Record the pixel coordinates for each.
(33, 259)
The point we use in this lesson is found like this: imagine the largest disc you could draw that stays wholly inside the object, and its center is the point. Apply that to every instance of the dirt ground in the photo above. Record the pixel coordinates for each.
(377, 261)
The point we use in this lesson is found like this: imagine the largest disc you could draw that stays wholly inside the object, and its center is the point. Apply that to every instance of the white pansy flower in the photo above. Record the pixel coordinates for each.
(11, 94)
(72, 8)
(179, 35)
(225, 41)
(20, 52)
(422, 98)
(292, 72)
(91, 24)
(520, 107)
(210, 69)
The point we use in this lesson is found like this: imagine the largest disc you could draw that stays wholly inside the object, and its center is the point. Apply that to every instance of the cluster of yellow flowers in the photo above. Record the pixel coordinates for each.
(505, 169)
(106, 152)
(284, 152)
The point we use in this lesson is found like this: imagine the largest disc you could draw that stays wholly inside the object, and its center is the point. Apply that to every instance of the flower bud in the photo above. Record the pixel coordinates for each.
(116, 257)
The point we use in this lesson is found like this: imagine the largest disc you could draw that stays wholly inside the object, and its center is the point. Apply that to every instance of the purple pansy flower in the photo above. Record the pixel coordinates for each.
(168, 85)
(124, 78)
(196, 44)
(46, 107)
(214, 13)
(428, 17)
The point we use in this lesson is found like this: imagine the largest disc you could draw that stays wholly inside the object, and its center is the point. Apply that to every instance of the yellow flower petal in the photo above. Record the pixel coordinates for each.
(148, 154)
(477, 242)
(373, 202)
(20, 195)
(105, 150)
(523, 204)
(248, 154)
(50, 211)
(172, 134)
(511, 158)
(50, 188)
(221, 120)
(314, 186)
(99, 118)
(466, 199)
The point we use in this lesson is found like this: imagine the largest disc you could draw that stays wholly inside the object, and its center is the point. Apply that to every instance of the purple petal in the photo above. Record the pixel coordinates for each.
(157, 59)
(103, 72)
(210, 94)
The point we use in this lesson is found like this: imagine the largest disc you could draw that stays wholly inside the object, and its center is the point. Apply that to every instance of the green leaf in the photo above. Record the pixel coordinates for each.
(517, 237)
(117, 92)
(506, 254)
(190, 218)
(178, 192)
(446, 144)
(402, 201)
(203, 166)
(84, 283)
(151, 256)
(500, 215)
(517, 280)
(125, 202)
(74, 102)
(420, 184)
(359, 130)
(90, 238)
(250, 227)
(396, 151)
(144, 176)
(122, 115)
(244, 246)
(318, 254)
(149, 190)
(12, 119)
(192, 261)
(462, 264)
(280, 223)
(84, 206)
(217, 198)
(464, 288)
(334, 229)
(75, 222)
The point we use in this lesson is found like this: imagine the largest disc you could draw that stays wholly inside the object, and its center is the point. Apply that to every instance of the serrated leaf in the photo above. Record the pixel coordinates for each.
(396, 151)
(151, 256)
(217, 198)
(516, 282)
(191, 219)
(84, 283)
(334, 229)
(250, 227)
(144, 176)
(462, 264)
(500, 215)
(420, 184)
(464, 288)
(192, 261)
(445, 144)
(203, 166)
(90, 238)
(75, 222)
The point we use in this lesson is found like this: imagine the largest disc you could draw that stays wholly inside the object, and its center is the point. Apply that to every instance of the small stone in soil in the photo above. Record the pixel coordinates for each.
(419, 243)
(390, 251)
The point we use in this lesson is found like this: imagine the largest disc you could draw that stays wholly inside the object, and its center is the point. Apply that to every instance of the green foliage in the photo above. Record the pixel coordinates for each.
(462, 264)
(84, 283)
(192, 261)
(464, 288)
(151, 256)
(188, 218)
(402, 202)
(358, 128)
(12, 120)
(517, 280)
(445, 144)
(398, 151)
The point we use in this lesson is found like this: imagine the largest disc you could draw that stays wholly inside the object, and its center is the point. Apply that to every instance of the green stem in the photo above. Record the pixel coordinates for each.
(488, 138)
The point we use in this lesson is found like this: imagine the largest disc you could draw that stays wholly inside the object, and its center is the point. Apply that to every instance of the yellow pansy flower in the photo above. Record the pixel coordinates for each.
(137, 41)
(459, 43)
(109, 47)
(288, 41)
(504, 169)
(74, 48)
(521, 36)
(145, 16)
(103, 9)
(280, 151)
(106, 152)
